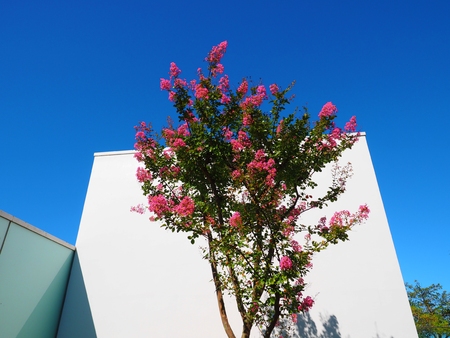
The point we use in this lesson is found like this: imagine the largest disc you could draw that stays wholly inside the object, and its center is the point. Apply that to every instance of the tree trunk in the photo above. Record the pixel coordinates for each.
(275, 317)
(246, 328)
(219, 294)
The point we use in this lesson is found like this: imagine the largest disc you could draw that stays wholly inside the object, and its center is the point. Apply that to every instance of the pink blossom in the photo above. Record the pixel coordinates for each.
(140, 209)
(294, 318)
(174, 70)
(297, 247)
(243, 87)
(225, 99)
(243, 138)
(172, 96)
(158, 204)
(340, 218)
(288, 230)
(175, 171)
(192, 84)
(227, 133)
(168, 153)
(273, 89)
(179, 83)
(239, 144)
(186, 207)
(140, 135)
(351, 125)
(178, 143)
(168, 134)
(165, 84)
(328, 110)
(261, 91)
(285, 263)
(143, 175)
(247, 119)
(235, 174)
(201, 92)
(224, 84)
(280, 127)
(219, 69)
(217, 52)
(336, 134)
(364, 212)
(235, 219)
(139, 157)
(300, 281)
(183, 130)
(306, 304)
(261, 164)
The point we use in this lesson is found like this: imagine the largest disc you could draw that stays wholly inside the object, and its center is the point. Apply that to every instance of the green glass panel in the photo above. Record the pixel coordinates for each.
(33, 279)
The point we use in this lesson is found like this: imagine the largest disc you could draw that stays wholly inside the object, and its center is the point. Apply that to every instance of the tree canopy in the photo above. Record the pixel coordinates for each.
(431, 310)
(238, 173)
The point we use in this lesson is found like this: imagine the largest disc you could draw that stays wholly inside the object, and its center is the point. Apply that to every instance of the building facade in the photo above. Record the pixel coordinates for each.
(131, 278)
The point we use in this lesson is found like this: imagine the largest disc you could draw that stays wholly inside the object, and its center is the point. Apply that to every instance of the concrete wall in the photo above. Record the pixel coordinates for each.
(142, 281)
(34, 271)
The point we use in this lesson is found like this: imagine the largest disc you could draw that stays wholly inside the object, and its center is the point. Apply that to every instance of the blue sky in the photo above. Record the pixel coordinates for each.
(75, 77)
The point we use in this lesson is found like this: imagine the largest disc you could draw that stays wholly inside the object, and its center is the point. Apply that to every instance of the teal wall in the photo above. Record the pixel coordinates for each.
(34, 272)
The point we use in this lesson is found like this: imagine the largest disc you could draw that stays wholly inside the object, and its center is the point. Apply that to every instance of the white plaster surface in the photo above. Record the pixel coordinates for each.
(143, 281)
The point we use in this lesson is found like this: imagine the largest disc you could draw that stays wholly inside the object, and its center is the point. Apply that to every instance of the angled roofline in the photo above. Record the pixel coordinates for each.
(38, 231)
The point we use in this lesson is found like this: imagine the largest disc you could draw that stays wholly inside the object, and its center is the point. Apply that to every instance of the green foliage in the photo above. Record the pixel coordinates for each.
(431, 310)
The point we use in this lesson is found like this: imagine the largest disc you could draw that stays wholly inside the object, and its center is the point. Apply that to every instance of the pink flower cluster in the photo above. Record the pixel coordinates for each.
(280, 127)
(331, 140)
(165, 84)
(227, 133)
(295, 246)
(158, 204)
(285, 263)
(242, 141)
(255, 100)
(224, 84)
(179, 83)
(140, 209)
(247, 119)
(143, 175)
(236, 220)
(174, 138)
(351, 125)
(243, 87)
(345, 218)
(224, 87)
(328, 110)
(273, 88)
(186, 207)
(217, 52)
(174, 70)
(261, 164)
(144, 145)
(306, 304)
(201, 92)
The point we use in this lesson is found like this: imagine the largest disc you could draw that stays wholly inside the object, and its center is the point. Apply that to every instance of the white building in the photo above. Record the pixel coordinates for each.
(131, 278)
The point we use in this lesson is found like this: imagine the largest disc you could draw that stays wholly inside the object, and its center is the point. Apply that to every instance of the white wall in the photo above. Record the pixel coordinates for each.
(143, 281)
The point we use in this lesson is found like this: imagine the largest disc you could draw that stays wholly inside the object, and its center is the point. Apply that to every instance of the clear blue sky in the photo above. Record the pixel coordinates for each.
(75, 77)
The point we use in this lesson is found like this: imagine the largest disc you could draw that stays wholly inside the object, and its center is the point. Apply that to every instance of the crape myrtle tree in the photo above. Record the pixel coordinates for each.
(240, 178)
(430, 307)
